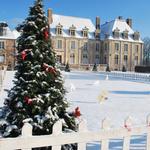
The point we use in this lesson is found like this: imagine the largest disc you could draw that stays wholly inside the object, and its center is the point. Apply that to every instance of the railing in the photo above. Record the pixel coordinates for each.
(2, 75)
(129, 76)
(26, 141)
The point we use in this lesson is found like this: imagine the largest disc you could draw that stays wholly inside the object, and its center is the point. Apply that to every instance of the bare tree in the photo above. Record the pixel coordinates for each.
(146, 51)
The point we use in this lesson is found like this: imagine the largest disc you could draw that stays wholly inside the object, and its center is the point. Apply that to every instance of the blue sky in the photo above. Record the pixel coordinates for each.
(14, 11)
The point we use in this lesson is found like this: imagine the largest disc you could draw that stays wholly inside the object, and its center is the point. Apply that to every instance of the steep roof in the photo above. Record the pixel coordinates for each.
(9, 34)
(68, 21)
(120, 24)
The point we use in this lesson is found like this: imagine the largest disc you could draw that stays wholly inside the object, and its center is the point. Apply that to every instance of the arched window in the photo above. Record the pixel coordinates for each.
(85, 32)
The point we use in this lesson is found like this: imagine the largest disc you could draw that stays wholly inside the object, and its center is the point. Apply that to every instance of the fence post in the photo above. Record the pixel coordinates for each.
(148, 133)
(126, 140)
(27, 132)
(82, 128)
(105, 142)
(57, 129)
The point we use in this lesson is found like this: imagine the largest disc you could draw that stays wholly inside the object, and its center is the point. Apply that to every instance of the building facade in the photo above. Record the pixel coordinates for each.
(75, 40)
(7, 46)
(79, 42)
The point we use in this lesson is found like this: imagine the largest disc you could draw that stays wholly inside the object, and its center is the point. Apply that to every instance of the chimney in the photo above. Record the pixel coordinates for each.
(97, 22)
(49, 16)
(97, 31)
(129, 22)
(120, 17)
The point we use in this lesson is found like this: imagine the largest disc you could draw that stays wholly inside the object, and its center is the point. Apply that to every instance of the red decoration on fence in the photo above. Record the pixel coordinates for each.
(23, 55)
(127, 127)
(28, 100)
(77, 112)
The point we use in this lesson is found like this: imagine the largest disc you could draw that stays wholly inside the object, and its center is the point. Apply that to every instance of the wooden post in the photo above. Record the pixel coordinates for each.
(105, 142)
(57, 129)
(27, 132)
(148, 133)
(126, 140)
(82, 128)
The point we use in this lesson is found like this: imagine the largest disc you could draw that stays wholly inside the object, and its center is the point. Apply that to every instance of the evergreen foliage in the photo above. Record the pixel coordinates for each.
(38, 93)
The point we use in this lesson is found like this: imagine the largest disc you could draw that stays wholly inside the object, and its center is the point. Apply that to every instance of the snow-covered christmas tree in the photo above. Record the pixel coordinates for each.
(38, 93)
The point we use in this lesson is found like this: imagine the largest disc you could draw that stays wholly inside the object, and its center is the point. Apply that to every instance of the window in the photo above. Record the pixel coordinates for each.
(85, 46)
(136, 60)
(106, 46)
(2, 31)
(59, 58)
(59, 44)
(72, 30)
(116, 47)
(59, 29)
(85, 56)
(72, 59)
(136, 49)
(97, 47)
(116, 33)
(97, 56)
(85, 59)
(116, 59)
(73, 44)
(125, 59)
(2, 58)
(136, 35)
(1, 45)
(125, 34)
(125, 48)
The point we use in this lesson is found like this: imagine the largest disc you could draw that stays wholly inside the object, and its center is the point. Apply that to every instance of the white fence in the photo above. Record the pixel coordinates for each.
(26, 141)
(2, 75)
(141, 77)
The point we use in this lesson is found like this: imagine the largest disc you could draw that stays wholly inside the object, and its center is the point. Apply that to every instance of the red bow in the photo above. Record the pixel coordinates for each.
(46, 34)
(77, 112)
(23, 55)
(28, 100)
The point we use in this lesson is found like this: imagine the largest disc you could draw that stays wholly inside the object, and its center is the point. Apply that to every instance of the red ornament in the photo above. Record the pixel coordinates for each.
(77, 112)
(52, 70)
(23, 55)
(28, 100)
(46, 34)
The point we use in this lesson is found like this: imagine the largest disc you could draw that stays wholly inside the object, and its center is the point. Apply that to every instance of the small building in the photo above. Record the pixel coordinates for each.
(7, 46)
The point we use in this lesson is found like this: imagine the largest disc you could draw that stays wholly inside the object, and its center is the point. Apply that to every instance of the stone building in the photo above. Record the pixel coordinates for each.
(75, 40)
(7, 46)
(120, 45)
(79, 42)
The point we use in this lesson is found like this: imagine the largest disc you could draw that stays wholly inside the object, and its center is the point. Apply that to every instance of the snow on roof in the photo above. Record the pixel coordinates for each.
(16, 33)
(120, 24)
(68, 21)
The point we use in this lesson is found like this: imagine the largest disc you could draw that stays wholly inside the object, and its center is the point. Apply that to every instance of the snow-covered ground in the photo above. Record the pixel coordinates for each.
(125, 98)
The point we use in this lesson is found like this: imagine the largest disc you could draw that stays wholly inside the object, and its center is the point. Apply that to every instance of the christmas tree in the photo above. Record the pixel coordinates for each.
(38, 93)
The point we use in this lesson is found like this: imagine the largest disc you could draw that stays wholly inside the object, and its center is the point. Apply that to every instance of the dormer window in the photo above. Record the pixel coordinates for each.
(125, 34)
(3, 29)
(59, 29)
(136, 35)
(72, 30)
(116, 33)
(85, 32)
